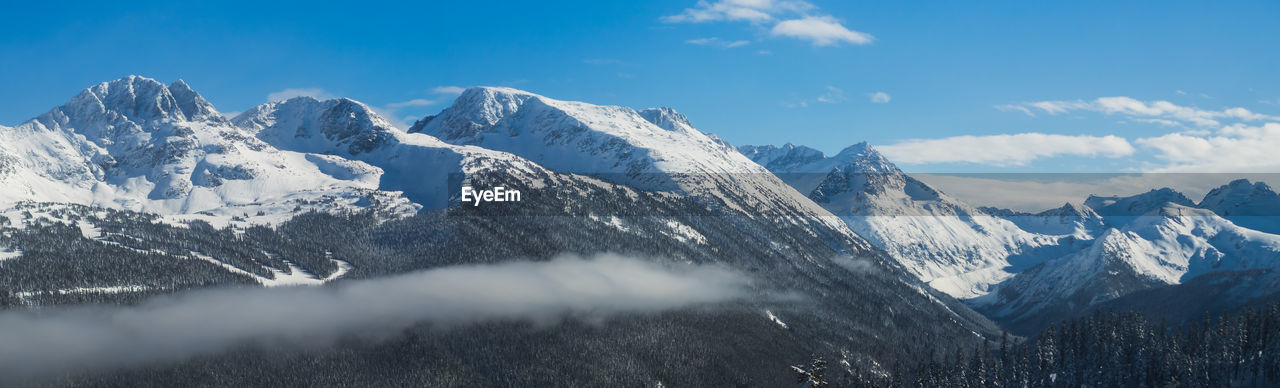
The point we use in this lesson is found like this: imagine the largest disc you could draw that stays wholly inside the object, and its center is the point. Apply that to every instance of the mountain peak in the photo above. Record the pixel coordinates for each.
(667, 118)
(1069, 210)
(310, 125)
(1136, 205)
(475, 110)
(136, 99)
(191, 103)
(784, 159)
(863, 158)
(1243, 198)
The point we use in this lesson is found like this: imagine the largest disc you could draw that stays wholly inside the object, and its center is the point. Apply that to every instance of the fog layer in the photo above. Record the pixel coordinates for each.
(55, 341)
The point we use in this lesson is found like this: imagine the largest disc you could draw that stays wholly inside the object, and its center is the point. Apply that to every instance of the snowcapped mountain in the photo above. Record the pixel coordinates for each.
(1136, 205)
(135, 143)
(617, 142)
(138, 144)
(652, 149)
(803, 167)
(1167, 246)
(1069, 219)
(349, 139)
(788, 157)
(1251, 205)
(958, 249)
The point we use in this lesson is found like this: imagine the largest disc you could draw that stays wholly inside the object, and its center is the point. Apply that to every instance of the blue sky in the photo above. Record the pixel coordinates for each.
(752, 71)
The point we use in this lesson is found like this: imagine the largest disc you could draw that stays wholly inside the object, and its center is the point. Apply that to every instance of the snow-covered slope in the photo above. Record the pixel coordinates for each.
(1069, 219)
(1136, 205)
(801, 167)
(1170, 245)
(654, 150)
(1252, 205)
(956, 248)
(137, 144)
(343, 134)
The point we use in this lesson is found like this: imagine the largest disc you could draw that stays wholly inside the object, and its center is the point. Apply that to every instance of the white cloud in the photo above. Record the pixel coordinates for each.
(411, 103)
(448, 90)
(833, 96)
(1130, 107)
(1232, 149)
(317, 93)
(1161, 122)
(780, 18)
(755, 11)
(820, 30)
(717, 42)
(1004, 150)
(1018, 108)
(880, 97)
(1036, 192)
(764, 52)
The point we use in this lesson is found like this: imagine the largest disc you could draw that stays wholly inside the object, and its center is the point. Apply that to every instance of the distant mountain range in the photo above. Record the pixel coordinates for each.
(1028, 270)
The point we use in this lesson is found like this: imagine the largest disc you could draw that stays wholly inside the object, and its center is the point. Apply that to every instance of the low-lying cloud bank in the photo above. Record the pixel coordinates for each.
(36, 345)
(1004, 150)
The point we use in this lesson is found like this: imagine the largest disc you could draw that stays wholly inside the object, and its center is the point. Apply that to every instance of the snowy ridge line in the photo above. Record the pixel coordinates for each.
(655, 150)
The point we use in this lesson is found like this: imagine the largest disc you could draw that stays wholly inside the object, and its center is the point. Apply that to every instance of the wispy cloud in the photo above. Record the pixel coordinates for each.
(880, 97)
(833, 96)
(317, 93)
(1181, 92)
(412, 103)
(1133, 108)
(448, 90)
(717, 42)
(55, 341)
(1004, 150)
(820, 30)
(391, 110)
(780, 18)
(1160, 122)
(756, 11)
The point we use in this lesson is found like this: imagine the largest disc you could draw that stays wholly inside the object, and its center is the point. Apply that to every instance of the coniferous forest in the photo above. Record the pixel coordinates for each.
(1117, 349)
